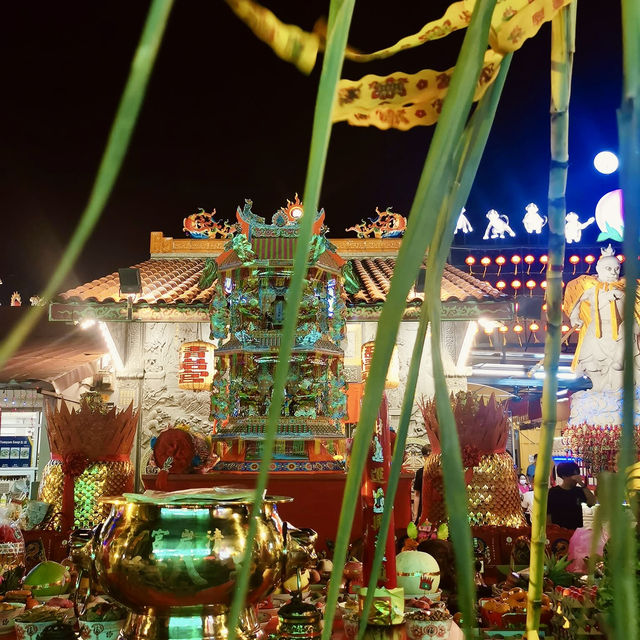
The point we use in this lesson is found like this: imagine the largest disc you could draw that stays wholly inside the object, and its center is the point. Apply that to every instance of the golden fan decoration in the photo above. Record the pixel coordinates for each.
(493, 497)
(93, 443)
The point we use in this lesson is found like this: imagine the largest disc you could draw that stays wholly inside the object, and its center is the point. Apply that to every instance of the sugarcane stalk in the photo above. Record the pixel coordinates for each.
(110, 165)
(562, 50)
(436, 173)
(475, 138)
(340, 15)
(622, 546)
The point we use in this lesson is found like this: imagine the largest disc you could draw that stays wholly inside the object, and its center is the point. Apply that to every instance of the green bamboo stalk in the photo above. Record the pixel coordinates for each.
(562, 49)
(110, 164)
(476, 134)
(340, 15)
(455, 491)
(433, 185)
(622, 547)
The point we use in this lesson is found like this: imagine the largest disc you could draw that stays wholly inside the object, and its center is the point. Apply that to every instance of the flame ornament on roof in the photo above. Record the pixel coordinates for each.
(202, 225)
(285, 222)
(387, 224)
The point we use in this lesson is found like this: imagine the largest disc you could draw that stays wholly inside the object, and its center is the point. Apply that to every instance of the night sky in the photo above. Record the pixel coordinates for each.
(224, 119)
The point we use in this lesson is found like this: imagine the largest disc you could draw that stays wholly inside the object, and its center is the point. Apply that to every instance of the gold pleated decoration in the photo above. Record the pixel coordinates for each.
(492, 489)
(97, 480)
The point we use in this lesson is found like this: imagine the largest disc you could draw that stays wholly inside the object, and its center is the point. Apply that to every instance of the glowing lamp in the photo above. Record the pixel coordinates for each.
(516, 284)
(544, 259)
(196, 368)
(606, 162)
(534, 326)
(529, 259)
(589, 259)
(500, 260)
(503, 328)
(531, 284)
(501, 284)
(518, 328)
(544, 306)
(470, 260)
(574, 259)
(565, 328)
(486, 261)
(620, 257)
(489, 328)
(516, 259)
(543, 284)
(393, 372)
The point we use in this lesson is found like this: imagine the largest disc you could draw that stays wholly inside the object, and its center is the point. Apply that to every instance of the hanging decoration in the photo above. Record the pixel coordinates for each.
(485, 262)
(463, 225)
(497, 226)
(529, 260)
(596, 445)
(515, 261)
(196, 368)
(573, 228)
(393, 372)
(533, 221)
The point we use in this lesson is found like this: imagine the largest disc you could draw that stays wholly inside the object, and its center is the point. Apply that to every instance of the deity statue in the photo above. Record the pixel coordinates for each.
(595, 307)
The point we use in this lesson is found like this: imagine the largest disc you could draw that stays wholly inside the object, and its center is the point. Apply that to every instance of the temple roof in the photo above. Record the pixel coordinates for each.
(175, 281)
(171, 292)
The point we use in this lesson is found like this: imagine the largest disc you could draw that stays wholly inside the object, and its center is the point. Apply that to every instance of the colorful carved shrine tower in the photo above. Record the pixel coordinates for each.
(253, 275)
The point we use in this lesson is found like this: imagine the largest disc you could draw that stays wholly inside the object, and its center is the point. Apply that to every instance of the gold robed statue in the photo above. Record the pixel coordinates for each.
(594, 305)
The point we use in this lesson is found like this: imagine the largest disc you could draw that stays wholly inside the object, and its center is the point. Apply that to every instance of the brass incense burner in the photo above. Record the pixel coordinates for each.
(175, 565)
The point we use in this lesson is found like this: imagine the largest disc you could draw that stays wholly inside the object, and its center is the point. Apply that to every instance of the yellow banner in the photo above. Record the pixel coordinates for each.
(402, 100)
(513, 21)
(287, 41)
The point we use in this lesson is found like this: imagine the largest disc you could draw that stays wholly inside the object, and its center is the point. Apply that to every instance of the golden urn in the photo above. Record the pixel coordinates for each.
(173, 559)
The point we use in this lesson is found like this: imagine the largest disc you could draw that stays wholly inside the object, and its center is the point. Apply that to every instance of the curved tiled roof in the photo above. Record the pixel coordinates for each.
(375, 279)
(170, 281)
(174, 281)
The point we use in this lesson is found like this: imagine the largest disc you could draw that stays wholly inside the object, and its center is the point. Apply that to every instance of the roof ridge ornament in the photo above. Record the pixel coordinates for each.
(201, 225)
(386, 224)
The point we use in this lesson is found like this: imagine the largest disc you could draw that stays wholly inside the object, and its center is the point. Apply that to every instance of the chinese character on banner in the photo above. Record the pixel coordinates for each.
(196, 367)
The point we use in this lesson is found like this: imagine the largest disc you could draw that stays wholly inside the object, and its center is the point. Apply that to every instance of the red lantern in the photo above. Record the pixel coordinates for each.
(501, 284)
(589, 260)
(534, 326)
(485, 262)
(470, 261)
(529, 260)
(543, 261)
(518, 328)
(620, 257)
(500, 260)
(515, 261)
(531, 285)
(543, 284)
(196, 368)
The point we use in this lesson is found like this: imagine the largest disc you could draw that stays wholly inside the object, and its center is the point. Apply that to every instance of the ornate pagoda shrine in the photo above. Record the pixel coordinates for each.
(251, 282)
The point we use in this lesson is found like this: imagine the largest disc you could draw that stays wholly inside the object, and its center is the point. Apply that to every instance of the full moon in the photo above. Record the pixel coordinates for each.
(606, 162)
